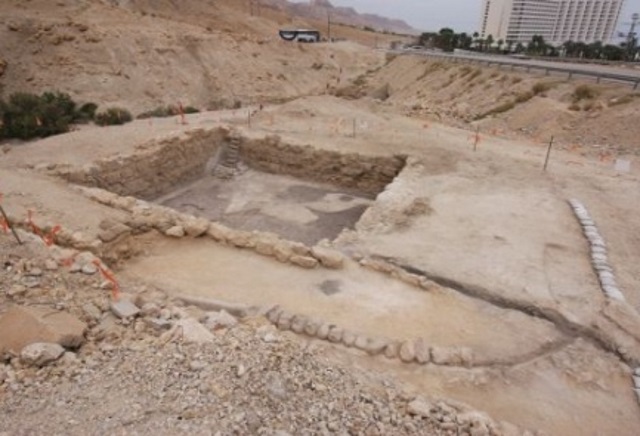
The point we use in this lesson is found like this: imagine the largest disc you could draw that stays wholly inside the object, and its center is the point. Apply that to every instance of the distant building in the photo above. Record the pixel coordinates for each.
(555, 20)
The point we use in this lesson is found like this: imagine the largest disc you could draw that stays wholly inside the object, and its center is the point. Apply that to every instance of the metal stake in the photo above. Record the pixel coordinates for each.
(6, 219)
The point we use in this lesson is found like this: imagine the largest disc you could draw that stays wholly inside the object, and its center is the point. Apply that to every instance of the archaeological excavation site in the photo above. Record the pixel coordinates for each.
(302, 257)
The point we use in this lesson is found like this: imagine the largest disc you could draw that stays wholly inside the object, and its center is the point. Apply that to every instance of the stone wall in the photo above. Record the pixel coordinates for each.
(368, 174)
(156, 167)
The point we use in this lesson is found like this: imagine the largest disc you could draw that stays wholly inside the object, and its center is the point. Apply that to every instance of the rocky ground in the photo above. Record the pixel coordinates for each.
(74, 362)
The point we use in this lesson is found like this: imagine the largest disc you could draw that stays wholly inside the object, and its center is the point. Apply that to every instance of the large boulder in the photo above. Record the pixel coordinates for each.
(22, 326)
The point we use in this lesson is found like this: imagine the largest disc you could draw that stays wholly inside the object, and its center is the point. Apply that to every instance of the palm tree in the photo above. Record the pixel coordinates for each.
(489, 43)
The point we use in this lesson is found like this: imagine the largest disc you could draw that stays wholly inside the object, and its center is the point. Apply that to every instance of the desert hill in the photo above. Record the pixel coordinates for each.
(141, 53)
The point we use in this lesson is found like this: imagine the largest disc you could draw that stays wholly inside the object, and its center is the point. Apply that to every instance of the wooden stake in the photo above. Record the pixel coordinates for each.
(546, 161)
(477, 139)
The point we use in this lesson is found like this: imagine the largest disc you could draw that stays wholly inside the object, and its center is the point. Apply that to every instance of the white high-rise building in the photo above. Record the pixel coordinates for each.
(556, 20)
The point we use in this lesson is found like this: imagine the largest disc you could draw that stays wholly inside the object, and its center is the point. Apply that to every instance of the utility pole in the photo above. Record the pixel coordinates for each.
(329, 25)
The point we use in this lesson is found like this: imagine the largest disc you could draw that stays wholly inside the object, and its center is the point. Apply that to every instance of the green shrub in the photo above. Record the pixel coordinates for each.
(191, 110)
(113, 116)
(86, 113)
(159, 112)
(27, 116)
(583, 92)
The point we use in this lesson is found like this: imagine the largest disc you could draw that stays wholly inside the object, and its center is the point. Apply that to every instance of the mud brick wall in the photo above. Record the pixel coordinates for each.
(349, 170)
(156, 167)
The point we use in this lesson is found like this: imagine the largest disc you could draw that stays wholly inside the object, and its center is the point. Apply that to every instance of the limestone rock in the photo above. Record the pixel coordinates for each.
(304, 261)
(242, 239)
(419, 407)
(284, 321)
(328, 258)
(311, 328)
(41, 353)
(195, 227)
(219, 320)
(273, 314)
(335, 334)
(175, 232)
(361, 342)
(189, 330)
(297, 324)
(455, 356)
(376, 346)
(323, 331)
(407, 351)
(124, 308)
(348, 338)
(423, 353)
(21, 326)
(282, 251)
(110, 230)
(219, 232)
(391, 350)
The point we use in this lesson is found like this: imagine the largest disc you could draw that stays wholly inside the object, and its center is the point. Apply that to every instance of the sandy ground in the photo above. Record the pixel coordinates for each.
(494, 220)
(300, 211)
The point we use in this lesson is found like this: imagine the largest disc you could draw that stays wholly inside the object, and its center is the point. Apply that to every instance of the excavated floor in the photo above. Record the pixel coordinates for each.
(295, 209)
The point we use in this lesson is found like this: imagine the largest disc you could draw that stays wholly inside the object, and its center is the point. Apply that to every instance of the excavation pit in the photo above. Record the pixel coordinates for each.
(295, 209)
(298, 192)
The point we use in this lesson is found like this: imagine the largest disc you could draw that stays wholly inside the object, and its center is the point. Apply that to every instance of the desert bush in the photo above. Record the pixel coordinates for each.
(26, 116)
(583, 92)
(501, 108)
(86, 113)
(191, 110)
(574, 107)
(465, 70)
(113, 116)
(389, 57)
(516, 79)
(541, 87)
(475, 73)
(524, 97)
(166, 111)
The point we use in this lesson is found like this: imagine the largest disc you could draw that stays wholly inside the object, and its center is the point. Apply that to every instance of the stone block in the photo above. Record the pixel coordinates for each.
(328, 258)
(124, 308)
(189, 330)
(304, 261)
(21, 326)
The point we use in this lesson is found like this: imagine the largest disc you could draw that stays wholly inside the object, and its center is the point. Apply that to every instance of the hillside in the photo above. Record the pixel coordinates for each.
(594, 118)
(140, 54)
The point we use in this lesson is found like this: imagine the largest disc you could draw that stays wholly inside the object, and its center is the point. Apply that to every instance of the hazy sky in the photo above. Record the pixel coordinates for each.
(462, 15)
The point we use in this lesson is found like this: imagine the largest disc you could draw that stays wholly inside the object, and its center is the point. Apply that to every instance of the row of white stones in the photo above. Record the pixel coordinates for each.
(599, 259)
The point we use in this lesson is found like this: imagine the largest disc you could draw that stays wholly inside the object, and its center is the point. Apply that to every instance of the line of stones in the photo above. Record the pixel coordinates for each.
(599, 259)
(603, 270)
(636, 383)
(407, 351)
(146, 216)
